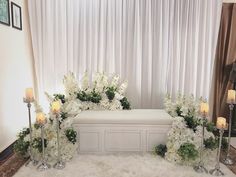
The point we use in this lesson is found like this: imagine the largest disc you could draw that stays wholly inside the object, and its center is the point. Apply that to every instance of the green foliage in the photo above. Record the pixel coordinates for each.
(60, 97)
(210, 127)
(110, 92)
(125, 103)
(188, 151)
(94, 97)
(210, 143)
(23, 133)
(178, 111)
(161, 150)
(192, 122)
(213, 143)
(37, 144)
(64, 115)
(36, 126)
(21, 146)
(71, 135)
(82, 96)
(224, 144)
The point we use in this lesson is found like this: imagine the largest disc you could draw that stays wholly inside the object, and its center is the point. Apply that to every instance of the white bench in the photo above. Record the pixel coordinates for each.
(137, 130)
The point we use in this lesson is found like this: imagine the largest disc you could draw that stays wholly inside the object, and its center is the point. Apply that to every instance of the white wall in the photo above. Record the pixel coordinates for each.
(16, 73)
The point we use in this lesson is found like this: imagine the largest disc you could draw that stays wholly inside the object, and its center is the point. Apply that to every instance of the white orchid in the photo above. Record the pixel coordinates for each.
(115, 81)
(123, 87)
(72, 107)
(118, 96)
(71, 84)
(100, 82)
(85, 81)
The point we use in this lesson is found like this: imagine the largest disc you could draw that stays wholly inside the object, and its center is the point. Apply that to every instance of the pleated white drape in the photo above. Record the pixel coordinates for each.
(159, 46)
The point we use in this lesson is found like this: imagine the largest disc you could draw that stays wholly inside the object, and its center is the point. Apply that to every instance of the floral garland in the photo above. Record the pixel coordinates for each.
(101, 95)
(184, 138)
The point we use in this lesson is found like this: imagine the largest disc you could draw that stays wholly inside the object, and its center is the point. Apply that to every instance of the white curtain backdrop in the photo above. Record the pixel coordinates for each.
(159, 46)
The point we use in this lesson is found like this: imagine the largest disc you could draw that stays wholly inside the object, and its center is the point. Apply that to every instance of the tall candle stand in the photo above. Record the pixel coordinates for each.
(228, 160)
(200, 167)
(59, 164)
(31, 161)
(44, 165)
(217, 171)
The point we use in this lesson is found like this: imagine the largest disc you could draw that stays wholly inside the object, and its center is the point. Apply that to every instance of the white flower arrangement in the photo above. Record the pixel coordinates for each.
(186, 131)
(182, 106)
(71, 85)
(96, 96)
(102, 94)
(180, 134)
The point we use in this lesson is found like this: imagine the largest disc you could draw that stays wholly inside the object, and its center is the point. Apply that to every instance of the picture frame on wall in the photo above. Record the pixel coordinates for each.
(4, 12)
(16, 16)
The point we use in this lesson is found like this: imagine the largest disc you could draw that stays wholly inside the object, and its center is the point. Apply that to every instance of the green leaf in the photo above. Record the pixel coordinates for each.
(161, 150)
(125, 103)
(110, 92)
(60, 97)
(21, 146)
(188, 151)
(71, 135)
(95, 97)
(82, 96)
(210, 143)
(37, 144)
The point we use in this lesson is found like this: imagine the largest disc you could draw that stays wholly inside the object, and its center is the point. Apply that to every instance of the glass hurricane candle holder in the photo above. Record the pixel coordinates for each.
(44, 165)
(32, 160)
(228, 160)
(59, 164)
(200, 168)
(217, 171)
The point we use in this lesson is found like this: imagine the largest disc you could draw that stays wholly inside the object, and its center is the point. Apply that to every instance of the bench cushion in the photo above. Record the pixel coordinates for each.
(134, 116)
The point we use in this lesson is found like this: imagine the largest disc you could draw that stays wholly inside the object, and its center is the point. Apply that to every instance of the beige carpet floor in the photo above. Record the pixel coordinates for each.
(14, 163)
(132, 165)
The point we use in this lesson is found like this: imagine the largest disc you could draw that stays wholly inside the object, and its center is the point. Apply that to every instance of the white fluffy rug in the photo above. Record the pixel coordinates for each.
(118, 166)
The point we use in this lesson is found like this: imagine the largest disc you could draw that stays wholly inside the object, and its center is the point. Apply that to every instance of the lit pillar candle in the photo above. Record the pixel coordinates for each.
(204, 108)
(221, 123)
(40, 118)
(29, 94)
(56, 106)
(231, 96)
